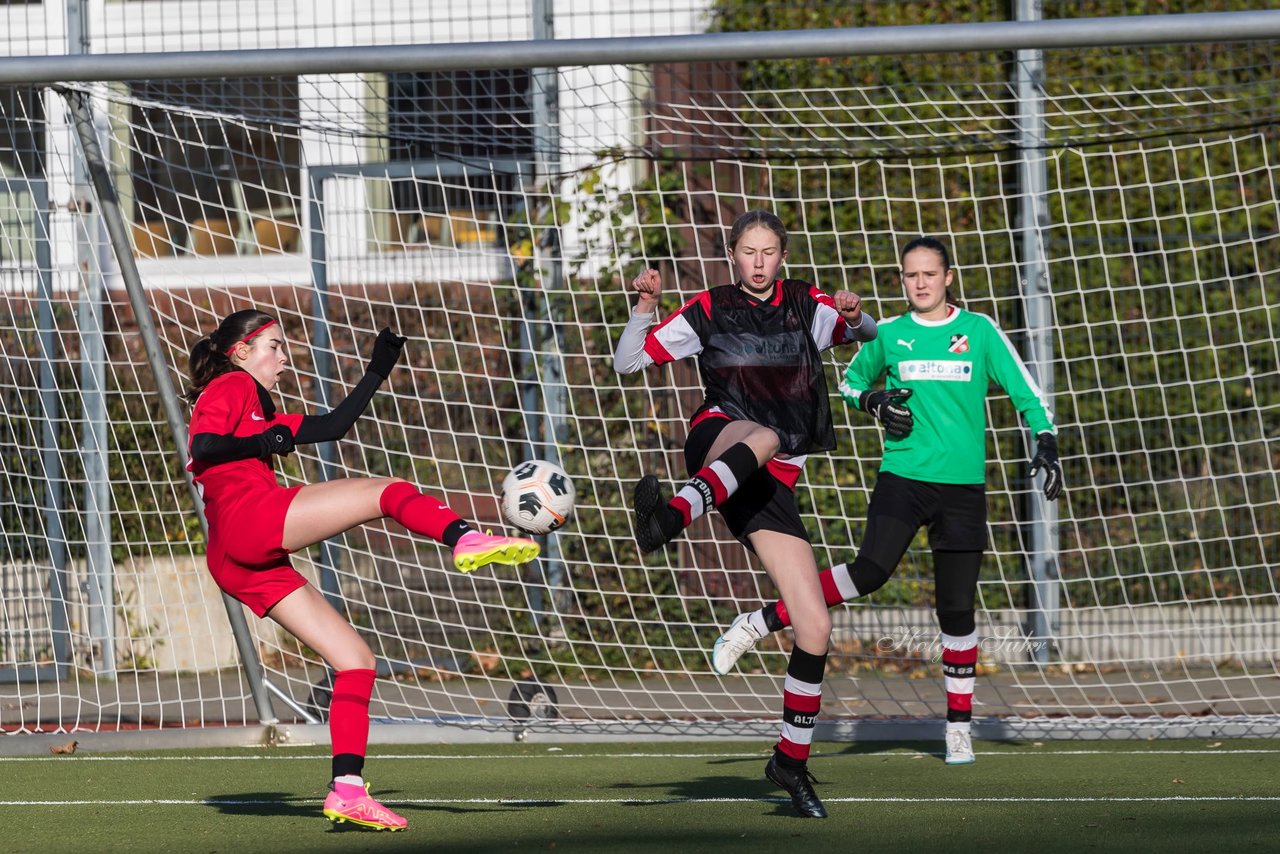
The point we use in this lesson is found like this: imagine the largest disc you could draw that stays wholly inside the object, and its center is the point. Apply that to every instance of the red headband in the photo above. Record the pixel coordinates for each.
(246, 339)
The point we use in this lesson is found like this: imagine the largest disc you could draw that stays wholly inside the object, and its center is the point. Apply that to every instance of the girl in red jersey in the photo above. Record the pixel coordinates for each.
(758, 344)
(254, 523)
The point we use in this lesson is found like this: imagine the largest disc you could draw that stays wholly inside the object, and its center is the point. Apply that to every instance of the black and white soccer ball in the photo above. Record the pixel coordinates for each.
(537, 497)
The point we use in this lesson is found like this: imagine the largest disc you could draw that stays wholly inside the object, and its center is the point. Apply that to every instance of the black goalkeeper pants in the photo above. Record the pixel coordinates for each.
(956, 517)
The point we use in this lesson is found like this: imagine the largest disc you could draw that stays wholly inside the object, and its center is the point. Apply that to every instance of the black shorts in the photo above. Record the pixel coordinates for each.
(761, 503)
(955, 513)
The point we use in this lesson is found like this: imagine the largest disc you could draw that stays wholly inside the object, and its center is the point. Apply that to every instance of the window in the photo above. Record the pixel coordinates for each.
(22, 140)
(219, 171)
(21, 132)
(440, 116)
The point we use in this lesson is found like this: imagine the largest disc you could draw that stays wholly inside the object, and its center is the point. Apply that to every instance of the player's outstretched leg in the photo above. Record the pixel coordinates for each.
(349, 800)
(658, 520)
(843, 582)
(740, 637)
(475, 550)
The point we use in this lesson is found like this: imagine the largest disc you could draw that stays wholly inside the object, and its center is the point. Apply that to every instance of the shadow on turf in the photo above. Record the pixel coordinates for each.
(282, 805)
(860, 748)
(751, 783)
(746, 785)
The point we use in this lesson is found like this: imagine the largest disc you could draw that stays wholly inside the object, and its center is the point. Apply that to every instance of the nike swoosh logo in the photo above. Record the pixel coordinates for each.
(256, 417)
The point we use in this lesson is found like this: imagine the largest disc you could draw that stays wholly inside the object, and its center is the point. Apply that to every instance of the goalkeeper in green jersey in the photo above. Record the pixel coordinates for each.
(937, 362)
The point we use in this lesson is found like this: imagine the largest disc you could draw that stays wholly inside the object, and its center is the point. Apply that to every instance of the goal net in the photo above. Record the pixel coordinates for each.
(439, 205)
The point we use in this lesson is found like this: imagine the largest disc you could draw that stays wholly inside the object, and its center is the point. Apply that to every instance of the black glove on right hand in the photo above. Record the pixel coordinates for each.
(276, 440)
(386, 352)
(1047, 458)
(886, 406)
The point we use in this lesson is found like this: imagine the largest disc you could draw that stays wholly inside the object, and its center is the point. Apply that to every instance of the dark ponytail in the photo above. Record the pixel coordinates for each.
(209, 359)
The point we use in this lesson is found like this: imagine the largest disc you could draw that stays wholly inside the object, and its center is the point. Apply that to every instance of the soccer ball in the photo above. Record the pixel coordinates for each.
(537, 497)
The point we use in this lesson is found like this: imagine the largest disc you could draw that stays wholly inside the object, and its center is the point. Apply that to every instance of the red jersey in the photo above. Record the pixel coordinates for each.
(234, 404)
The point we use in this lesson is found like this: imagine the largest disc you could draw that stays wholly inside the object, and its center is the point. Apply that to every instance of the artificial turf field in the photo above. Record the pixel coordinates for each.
(1188, 795)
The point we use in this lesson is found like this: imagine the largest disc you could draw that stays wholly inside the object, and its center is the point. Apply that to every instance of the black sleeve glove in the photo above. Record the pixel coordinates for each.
(1047, 458)
(887, 408)
(386, 352)
(215, 449)
(276, 440)
(332, 426)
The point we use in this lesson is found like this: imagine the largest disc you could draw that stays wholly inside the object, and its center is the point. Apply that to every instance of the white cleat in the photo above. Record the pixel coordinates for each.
(729, 647)
(959, 746)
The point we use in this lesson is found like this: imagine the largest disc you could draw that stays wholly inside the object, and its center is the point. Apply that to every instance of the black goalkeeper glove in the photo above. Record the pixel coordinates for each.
(386, 352)
(276, 440)
(1047, 458)
(887, 408)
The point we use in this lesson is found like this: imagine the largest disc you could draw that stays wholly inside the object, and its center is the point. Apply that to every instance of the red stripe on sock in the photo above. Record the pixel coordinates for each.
(349, 711)
(420, 513)
(780, 609)
(960, 656)
(802, 702)
(681, 506)
(719, 492)
(795, 751)
(830, 592)
(960, 702)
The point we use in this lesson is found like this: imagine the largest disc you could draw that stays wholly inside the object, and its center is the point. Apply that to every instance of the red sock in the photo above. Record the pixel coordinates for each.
(801, 700)
(349, 711)
(420, 513)
(959, 666)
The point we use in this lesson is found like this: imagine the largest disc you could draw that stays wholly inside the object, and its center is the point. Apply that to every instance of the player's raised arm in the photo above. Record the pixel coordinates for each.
(859, 326)
(649, 286)
(630, 356)
(331, 426)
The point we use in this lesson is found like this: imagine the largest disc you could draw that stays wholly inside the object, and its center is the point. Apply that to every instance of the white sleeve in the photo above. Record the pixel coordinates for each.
(630, 356)
(829, 328)
(866, 329)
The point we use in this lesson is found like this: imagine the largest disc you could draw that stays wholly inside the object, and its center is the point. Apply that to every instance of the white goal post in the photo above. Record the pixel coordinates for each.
(1122, 226)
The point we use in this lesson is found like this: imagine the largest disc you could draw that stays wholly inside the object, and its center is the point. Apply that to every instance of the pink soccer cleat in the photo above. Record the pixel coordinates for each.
(352, 803)
(475, 550)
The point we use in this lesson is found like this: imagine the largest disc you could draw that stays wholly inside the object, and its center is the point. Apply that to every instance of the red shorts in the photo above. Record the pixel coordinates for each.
(245, 554)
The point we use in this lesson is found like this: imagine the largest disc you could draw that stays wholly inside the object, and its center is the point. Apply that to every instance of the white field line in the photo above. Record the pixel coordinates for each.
(519, 802)
(557, 753)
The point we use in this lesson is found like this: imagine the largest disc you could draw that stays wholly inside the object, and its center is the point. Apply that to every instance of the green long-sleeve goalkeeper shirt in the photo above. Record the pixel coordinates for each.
(948, 365)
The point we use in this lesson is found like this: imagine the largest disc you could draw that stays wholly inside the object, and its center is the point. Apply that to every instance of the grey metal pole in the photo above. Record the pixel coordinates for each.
(544, 399)
(322, 348)
(710, 47)
(109, 206)
(50, 454)
(1033, 207)
(100, 573)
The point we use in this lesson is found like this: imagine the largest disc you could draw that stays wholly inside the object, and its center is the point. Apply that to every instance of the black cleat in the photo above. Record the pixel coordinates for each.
(799, 784)
(649, 504)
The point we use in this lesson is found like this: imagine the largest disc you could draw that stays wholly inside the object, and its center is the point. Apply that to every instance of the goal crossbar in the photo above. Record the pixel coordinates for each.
(1062, 34)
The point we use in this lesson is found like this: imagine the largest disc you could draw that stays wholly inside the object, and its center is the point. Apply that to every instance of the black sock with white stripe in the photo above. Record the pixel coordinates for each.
(714, 483)
(801, 700)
